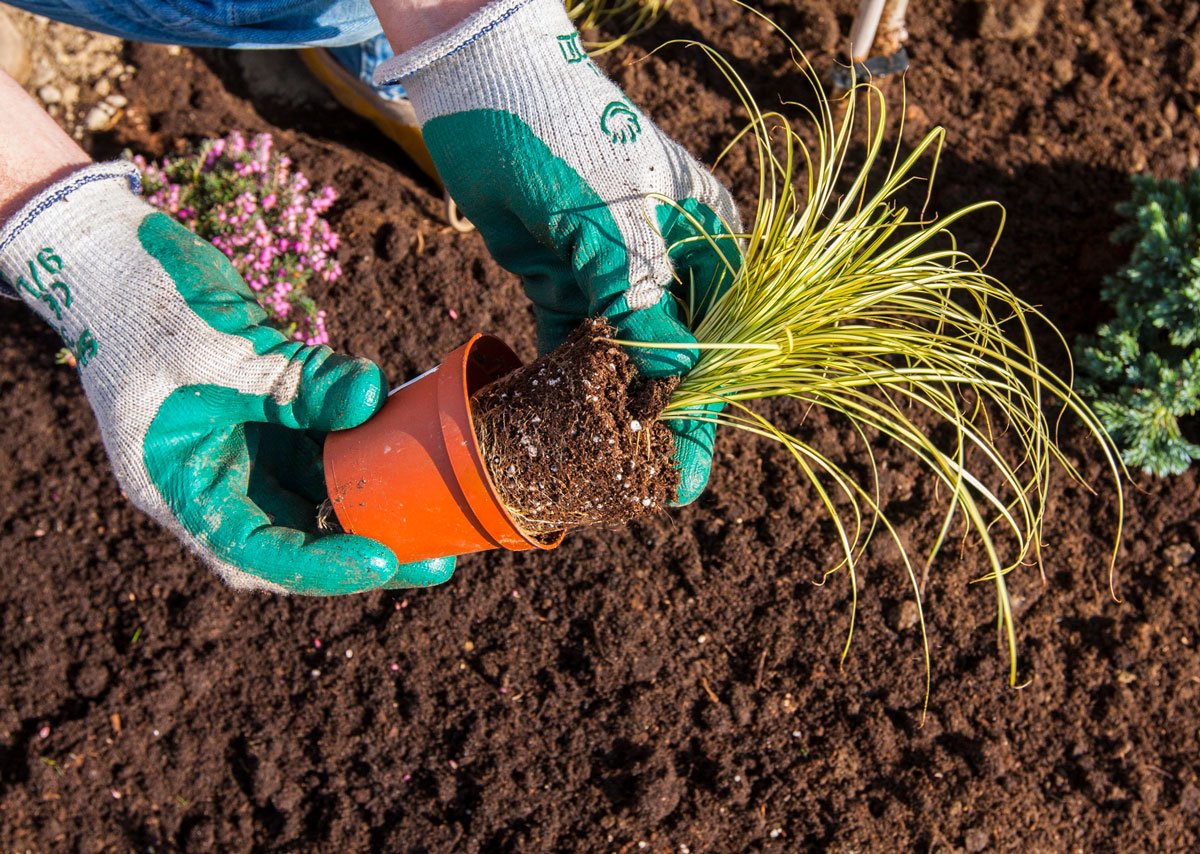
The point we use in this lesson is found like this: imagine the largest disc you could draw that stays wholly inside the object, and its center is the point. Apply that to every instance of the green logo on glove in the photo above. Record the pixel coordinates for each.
(56, 294)
(572, 50)
(620, 121)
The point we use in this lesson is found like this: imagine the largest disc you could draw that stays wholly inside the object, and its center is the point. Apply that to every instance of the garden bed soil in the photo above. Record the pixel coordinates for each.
(674, 683)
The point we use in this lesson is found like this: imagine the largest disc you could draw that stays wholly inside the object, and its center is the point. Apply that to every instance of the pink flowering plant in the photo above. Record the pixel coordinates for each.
(246, 199)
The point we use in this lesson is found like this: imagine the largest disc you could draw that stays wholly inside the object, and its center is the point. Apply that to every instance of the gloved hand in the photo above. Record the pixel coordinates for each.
(212, 420)
(574, 190)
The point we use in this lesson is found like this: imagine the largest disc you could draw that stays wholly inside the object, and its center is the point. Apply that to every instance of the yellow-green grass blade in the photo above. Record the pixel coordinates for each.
(846, 301)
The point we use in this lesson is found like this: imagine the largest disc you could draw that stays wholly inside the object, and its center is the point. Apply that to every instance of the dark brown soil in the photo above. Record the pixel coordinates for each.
(571, 440)
(673, 683)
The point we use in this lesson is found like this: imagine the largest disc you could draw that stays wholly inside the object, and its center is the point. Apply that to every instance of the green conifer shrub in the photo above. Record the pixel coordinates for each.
(1141, 371)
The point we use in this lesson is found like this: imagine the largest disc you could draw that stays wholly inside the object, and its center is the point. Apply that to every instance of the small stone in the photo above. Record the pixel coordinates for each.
(1189, 800)
(103, 87)
(98, 119)
(1125, 677)
(977, 840)
(1010, 20)
(117, 101)
(1063, 70)
(50, 94)
(905, 615)
(914, 114)
(1179, 554)
(43, 73)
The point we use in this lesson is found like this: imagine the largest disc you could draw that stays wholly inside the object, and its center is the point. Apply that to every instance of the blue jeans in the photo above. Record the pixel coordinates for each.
(348, 28)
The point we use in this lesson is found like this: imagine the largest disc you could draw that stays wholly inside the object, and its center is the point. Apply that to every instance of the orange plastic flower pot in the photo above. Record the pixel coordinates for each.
(413, 478)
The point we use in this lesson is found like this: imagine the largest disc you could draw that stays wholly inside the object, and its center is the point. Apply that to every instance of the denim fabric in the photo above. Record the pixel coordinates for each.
(348, 26)
(361, 59)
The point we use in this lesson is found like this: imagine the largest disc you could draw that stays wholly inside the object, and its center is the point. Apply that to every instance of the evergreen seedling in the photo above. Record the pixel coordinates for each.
(1141, 370)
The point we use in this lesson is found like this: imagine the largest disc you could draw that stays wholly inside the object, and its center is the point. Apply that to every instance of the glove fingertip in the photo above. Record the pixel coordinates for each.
(358, 564)
(693, 480)
(425, 573)
(694, 442)
(352, 390)
(333, 565)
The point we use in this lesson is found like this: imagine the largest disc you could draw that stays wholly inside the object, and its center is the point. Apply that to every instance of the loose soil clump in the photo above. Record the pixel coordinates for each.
(573, 439)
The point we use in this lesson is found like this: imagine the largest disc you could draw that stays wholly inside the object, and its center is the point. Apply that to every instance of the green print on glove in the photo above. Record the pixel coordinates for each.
(242, 472)
(620, 122)
(560, 237)
(572, 50)
(56, 294)
(50, 264)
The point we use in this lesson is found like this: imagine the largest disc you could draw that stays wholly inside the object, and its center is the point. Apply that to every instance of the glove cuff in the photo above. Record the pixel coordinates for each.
(520, 56)
(26, 227)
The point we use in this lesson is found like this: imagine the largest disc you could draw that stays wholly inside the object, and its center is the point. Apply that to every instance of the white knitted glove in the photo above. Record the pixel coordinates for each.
(205, 411)
(574, 189)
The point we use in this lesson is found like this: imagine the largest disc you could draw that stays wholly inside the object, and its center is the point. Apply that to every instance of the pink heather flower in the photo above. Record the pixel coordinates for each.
(263, 215)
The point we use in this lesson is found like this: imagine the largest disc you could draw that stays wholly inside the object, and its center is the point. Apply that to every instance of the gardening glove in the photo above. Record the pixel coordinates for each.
(575, 190)
(212, 419)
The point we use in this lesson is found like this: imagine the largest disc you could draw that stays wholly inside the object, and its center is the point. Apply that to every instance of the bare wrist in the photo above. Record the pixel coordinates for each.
(34, 151)
(407, 23)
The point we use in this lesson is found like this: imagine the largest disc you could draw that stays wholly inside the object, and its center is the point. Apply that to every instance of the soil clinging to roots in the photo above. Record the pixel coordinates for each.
(574, 439)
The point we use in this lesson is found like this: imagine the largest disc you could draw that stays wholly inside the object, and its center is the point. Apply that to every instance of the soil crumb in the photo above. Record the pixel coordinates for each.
(573, 439)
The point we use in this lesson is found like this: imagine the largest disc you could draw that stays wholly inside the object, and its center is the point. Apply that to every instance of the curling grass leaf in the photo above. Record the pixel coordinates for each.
(628, 17)
(849, 301)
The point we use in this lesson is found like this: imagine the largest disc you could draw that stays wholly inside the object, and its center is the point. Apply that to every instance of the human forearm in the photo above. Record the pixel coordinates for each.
(34, 151)
(407, 23)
